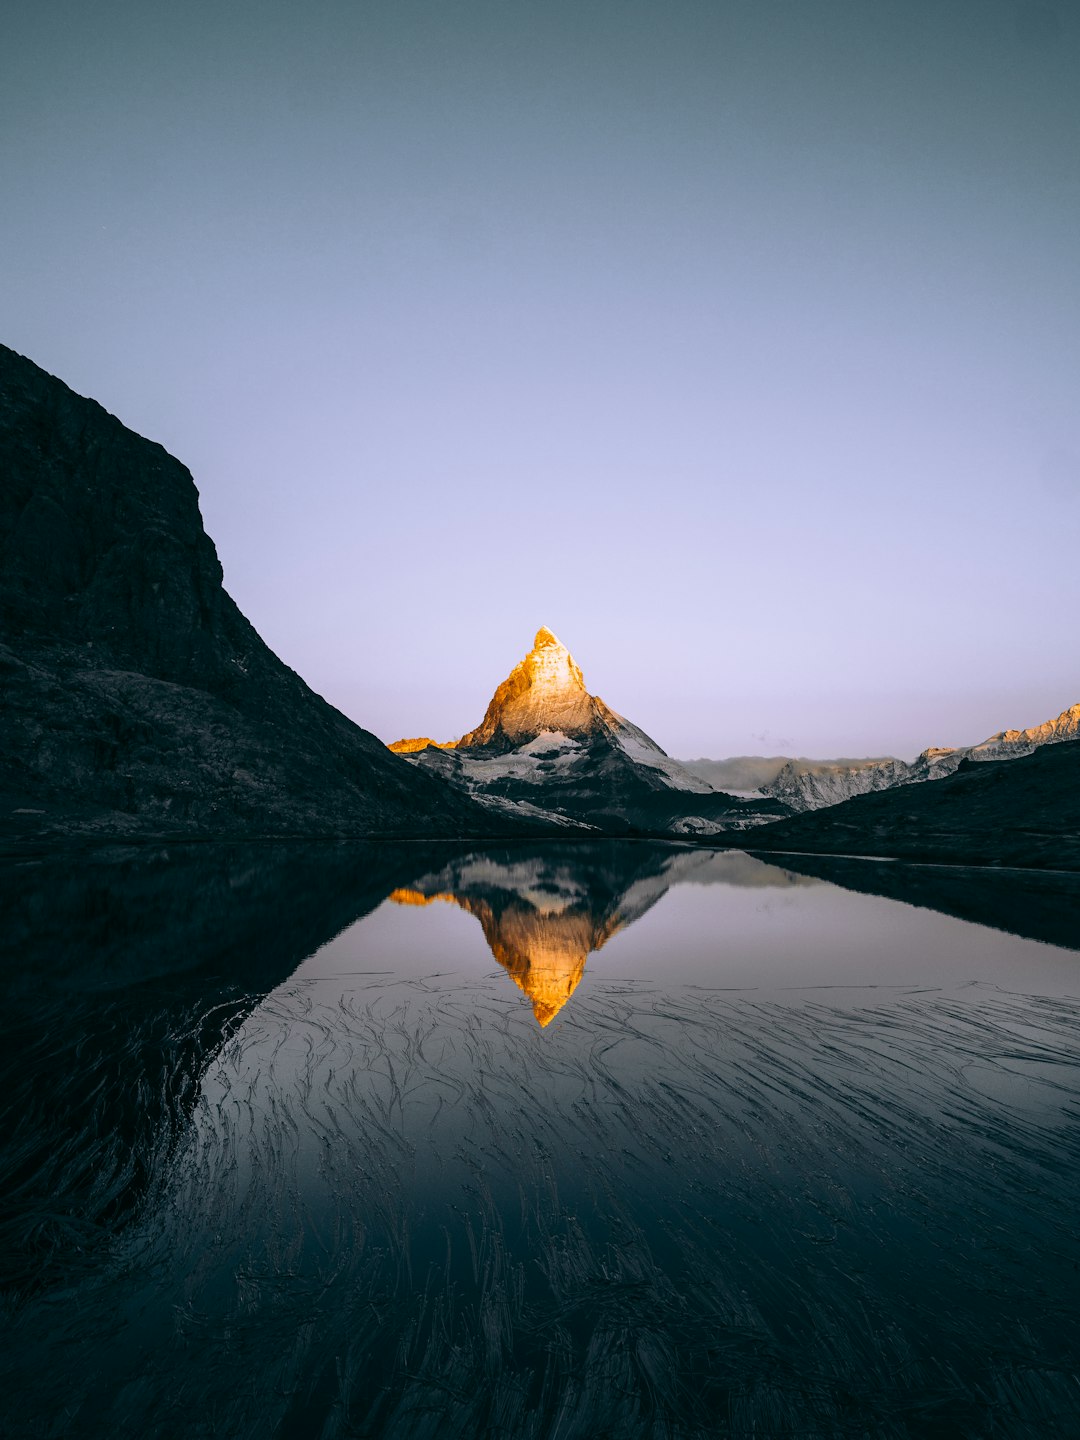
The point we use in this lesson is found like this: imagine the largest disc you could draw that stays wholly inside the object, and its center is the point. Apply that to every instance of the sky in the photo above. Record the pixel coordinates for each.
(737, 342)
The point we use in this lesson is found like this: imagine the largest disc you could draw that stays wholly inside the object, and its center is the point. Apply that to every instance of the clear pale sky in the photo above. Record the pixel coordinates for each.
(737, 342)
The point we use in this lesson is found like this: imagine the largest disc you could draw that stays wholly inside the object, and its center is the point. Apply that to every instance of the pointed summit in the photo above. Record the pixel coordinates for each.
(548, 748)
(545, 691)
(543, 950)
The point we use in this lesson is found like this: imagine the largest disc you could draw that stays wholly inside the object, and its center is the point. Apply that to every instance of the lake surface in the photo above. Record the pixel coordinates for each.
(568, 1141)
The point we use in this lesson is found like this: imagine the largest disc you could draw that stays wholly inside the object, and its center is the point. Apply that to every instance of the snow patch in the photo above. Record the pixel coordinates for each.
(637, 746)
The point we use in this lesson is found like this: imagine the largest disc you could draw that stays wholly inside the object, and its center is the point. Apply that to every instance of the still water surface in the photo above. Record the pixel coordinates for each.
(614, 1140)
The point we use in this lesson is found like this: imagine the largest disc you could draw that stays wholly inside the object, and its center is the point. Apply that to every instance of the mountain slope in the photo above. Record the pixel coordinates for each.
(134, 696)
(1023, 811)
(546, 743)
(1005, 743)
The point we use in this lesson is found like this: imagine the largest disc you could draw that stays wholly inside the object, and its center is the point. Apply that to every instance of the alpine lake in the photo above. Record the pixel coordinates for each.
(557, 1142)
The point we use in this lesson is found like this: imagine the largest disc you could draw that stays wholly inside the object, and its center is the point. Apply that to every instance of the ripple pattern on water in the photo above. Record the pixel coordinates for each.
(401, 1209)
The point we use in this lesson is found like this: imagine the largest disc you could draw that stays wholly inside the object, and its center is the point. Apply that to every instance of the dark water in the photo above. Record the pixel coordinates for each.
(616, 1140)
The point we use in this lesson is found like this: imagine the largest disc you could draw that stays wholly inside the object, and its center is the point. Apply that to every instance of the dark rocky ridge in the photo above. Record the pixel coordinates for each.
(135, 698)
(1023, 811)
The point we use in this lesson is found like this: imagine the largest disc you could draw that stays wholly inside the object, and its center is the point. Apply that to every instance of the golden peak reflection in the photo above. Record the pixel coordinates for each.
(544, 909)
(543, 948)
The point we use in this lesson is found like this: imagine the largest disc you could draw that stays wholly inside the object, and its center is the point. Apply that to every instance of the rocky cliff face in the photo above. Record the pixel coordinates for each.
(814, 784)
(544, 692)
(808, 785)
(134, 696)
(546, 746)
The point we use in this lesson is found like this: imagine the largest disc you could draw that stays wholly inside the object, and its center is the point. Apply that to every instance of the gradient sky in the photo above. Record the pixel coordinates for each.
(739, 342)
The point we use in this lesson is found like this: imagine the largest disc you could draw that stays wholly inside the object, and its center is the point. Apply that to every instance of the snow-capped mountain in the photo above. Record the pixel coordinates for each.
(814, 784)
(546, 746)
(1022, 810)
(1009, 743)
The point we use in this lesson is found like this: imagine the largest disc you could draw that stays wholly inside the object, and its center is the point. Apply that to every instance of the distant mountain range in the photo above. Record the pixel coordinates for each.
(547, 748)
(804, 784)
(1023, 809)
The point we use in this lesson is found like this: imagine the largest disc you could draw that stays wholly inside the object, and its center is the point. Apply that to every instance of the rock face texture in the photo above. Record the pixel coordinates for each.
(547, 747)
(544, 692)
(135, 698)
(811, 784)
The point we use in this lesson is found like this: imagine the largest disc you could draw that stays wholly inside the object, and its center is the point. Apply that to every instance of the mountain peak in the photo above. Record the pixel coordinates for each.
(543, 735)
(544, 691)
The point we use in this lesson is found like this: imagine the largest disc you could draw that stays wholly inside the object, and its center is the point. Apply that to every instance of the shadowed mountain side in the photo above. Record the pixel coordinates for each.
(1023, 811)
(1037, 905)
(135, 698)
(591, 782)
(141, 961)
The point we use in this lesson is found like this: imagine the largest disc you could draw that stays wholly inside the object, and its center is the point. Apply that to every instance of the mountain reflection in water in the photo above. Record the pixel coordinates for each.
(283, 1157)
(543, 950)
(544, 914)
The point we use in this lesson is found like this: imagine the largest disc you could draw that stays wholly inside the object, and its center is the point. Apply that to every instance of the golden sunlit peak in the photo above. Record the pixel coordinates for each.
(405, 896)
(421, 742)
(544, 691)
